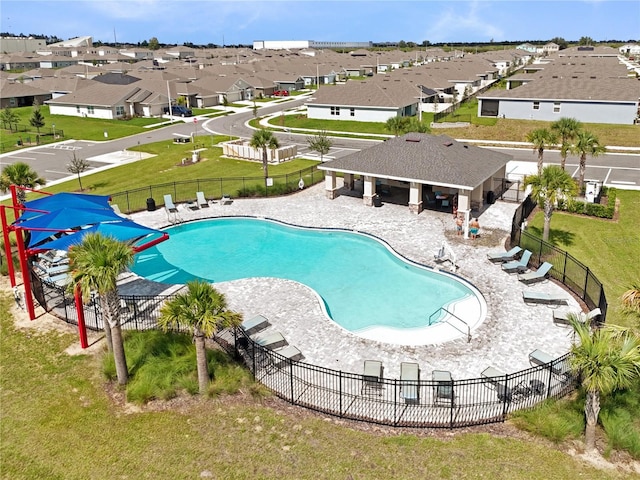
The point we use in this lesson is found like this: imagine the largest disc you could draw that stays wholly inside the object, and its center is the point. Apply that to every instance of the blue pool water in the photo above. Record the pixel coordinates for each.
(362, 283)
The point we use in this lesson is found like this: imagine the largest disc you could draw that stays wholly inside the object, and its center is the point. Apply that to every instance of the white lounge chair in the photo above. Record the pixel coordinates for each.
(169, 205)
(255, 324)
(504, 256)
(532, 297)
(44, 270)
(540, 358)
(537, 276)
(201, 200)
(496, 380)
(372, 377)
(443, 389)
(518, 265)
(562, 317)
(226, 200)
(287, 354)
(270, 340)
(409, 382)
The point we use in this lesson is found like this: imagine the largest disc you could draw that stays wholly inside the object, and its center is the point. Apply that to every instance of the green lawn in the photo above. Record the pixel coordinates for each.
(609, 248)
(57, 422)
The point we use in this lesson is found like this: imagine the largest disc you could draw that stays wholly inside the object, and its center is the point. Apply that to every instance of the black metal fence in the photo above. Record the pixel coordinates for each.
(569, 271)
(214, 188)
(431, 402)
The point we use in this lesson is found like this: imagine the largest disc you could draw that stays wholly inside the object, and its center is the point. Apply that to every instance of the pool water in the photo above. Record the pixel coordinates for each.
(362, 283)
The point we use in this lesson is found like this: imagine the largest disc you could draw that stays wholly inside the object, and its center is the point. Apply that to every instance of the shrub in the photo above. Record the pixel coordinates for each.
(556, 420)
(592, 209)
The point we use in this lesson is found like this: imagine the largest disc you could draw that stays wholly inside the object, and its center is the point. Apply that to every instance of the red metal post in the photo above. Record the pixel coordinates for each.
(82, 328)
(7, 245)
(26, 278)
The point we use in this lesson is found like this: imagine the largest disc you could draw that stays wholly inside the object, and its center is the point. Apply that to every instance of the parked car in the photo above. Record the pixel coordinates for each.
(179, 111)
(281, 93)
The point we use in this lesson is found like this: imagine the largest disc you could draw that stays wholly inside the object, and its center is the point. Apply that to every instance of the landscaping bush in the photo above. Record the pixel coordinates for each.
(592, 209)
(557, 420)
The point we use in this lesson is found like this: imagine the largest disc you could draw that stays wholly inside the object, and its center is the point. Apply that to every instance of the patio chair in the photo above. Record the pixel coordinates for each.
(255, 324)
(409, 382)
(60, 280)
(372, 377)
(539, 358)
(201, 200)
(533, 297)
(286, 355)
(501, 257)
(518, 265)
(226, 200)
(169, 205)
(562, 317)
(496, 380)
(443, 389)
(537, 276)
(54, 257)
(270, 340)
(50, 271)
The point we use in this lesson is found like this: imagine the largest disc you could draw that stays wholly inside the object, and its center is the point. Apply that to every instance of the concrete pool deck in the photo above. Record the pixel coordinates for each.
(509, 333)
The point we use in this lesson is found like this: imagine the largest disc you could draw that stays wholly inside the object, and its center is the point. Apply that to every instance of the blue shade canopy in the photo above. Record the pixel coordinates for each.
(65, 219)
(123, 230)
(63, 200)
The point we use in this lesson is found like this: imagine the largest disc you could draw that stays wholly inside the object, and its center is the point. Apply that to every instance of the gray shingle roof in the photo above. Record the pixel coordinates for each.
(431, 159)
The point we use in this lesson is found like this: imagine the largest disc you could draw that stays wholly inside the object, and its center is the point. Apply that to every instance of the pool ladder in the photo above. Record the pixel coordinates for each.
(446, 319)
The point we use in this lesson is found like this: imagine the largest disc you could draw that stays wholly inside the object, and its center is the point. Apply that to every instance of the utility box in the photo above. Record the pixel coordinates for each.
(592, 191)
(151, 205)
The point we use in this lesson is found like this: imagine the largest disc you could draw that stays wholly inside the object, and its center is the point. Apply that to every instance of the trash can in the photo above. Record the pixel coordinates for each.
(491, 197)
(151, 204)
(377, 202)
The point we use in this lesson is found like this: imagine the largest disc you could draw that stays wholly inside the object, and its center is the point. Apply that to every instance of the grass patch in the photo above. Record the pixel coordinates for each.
(609, 248)
(557, 421)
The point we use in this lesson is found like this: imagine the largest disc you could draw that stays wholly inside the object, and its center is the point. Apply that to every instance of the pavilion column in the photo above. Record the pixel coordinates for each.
(464, 209)
(330, 185)
(369, 183)
(415, 197)
(348, 181)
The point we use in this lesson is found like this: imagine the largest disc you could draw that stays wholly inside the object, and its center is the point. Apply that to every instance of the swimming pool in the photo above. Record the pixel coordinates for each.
(362, 284)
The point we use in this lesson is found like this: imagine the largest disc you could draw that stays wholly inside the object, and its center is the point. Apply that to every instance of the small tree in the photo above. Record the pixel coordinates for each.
(552, 185)
(8, 117)
(203, 310)
(254, 109)
(262, 140)
(320, 143)
(37, 119)
(153, 43)
(20, 174)
(77, 165)
(395, 125)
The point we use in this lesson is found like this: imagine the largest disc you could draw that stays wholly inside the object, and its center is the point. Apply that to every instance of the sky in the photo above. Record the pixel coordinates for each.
(241, 22)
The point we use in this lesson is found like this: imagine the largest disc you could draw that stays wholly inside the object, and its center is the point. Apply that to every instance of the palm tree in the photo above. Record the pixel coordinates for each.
(264, 139)
(605, 360)
(631, 298)
(395, 125)
(20, 174)
(95, 265)
(586, 144)
(541, 138)
(552, 185)
(203, 310)
(567, 128)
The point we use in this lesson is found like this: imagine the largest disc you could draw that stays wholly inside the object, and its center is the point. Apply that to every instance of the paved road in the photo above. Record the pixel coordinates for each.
(621, 170)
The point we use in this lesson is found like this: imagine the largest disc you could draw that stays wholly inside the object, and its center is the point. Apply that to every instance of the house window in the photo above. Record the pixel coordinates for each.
(335, 110)
(536, 105)
(556, 107)
(90, 110)
(12, 101)
(77, 108)
(353, 112)
(119, 111)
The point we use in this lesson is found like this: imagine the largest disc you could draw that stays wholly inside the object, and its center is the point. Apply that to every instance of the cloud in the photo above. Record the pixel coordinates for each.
(464, 21)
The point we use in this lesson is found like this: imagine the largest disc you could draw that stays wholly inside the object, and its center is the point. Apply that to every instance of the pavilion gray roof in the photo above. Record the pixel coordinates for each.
(423, 158)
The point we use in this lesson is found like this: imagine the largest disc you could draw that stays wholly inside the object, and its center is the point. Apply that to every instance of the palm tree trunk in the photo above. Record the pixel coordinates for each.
(265, 167)
(112, 314)
(583, 167)
(201, 360)
(119, 356)
(106, 324)
(540, 157)
(591, 411)
(548, 211)
(563, 160)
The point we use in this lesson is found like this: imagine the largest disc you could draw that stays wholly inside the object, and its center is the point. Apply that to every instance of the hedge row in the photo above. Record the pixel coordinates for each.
(592, 209)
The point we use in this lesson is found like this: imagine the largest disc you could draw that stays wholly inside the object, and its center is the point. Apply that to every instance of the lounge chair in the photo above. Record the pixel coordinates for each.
(60, 280)
(169, 205)
(537, 276)
(496, 380)
(540, 358)
(409, 382)
(116, 209)
(518, 265)
(54, 257)
(562, 317)
(226, 200)
(201, 200)
(532, 297)
(372, 377)
(50, 271)
(287, 354)
(501, 257)
(443, 388)
(255, 324)
(441, 256)
(270, 340)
